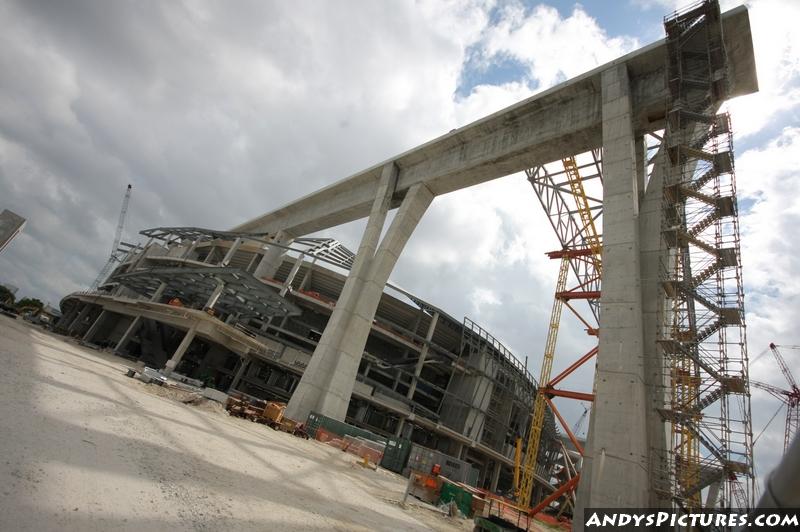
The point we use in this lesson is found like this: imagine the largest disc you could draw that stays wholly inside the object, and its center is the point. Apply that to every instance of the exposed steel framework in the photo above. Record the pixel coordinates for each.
(574, 215)
(702, 332)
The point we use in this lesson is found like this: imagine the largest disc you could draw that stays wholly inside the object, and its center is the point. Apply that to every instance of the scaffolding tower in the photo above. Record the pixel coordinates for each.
(702, 332)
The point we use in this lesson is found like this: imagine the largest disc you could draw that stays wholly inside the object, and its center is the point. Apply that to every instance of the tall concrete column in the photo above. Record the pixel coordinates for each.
(158, 293)
(650, 227)
(287, 284)
(79, 318)
(66, 321)
(495, 476)
(95, 326)
(251, 264)
(423, 354)
(240, 373)
(327, 383)
(307, 277)
(231, 252)
(173, 362)
(190, 249)
(126, 336)
(273, 256)
(616, 463)
(214, 297)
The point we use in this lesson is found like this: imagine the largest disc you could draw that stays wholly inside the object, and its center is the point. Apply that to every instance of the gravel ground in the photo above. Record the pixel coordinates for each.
(82, 447)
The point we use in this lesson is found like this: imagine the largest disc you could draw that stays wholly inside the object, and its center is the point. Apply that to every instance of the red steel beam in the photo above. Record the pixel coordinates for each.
(556, 494)
(591, 331)
(578, 363)
(561, 253)
(571, 436)
(566, 296)
(580, 396)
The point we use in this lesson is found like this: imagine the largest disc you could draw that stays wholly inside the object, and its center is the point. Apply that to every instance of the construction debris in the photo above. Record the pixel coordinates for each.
(265, 412)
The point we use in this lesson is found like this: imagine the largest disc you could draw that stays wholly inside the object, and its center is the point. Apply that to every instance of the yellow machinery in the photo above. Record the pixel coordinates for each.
(591, 240)
(540, 403)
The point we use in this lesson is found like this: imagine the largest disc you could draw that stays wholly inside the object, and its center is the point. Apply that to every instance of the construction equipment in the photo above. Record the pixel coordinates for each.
(702, 324)
(113, 257)
(540, 403)
(576, 428)
(790, 397)
(586, 249)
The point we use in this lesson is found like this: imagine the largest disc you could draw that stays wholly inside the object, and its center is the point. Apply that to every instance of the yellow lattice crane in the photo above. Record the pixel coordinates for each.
(591, 239)
(540, 403)
(590, 234)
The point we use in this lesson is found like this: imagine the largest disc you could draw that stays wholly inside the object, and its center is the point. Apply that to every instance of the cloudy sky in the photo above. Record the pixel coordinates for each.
(218, 112)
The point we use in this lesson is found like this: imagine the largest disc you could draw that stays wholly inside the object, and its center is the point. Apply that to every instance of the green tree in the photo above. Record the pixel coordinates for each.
(29, 302)
(6, 296)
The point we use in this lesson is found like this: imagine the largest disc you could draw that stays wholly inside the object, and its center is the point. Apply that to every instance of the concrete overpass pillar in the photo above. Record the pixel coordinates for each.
(616, 465)
(327, 383)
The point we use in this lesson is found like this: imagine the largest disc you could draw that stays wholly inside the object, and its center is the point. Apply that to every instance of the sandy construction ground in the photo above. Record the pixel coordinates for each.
(84, 448)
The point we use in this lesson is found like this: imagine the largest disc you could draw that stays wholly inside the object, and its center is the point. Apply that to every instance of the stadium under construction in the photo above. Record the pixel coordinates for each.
(633, 164)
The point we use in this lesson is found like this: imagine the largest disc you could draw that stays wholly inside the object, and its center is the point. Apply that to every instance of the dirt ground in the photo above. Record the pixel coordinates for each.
(84, 448)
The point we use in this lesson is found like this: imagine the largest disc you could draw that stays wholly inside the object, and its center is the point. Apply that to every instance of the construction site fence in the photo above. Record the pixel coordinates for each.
(393, 451)
(397, 454)
(423, 459)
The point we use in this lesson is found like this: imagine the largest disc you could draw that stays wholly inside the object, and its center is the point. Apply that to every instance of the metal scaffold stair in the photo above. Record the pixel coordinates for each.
(702, 333)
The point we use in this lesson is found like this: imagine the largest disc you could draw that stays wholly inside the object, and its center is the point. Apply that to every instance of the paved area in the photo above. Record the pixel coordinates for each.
(82, 447)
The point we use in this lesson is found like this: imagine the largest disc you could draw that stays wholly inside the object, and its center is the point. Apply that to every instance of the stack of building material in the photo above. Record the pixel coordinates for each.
(273, 413)
(249, 408)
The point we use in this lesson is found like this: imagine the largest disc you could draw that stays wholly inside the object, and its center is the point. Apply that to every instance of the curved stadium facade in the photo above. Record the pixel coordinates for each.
(242, 313)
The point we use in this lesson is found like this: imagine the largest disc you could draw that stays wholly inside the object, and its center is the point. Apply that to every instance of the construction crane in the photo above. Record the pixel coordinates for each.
(790, 397)
(576, 428)
(592, 241)
(117, 237)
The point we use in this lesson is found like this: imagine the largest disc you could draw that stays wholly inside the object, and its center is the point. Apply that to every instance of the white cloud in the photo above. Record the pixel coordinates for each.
(554, 48)
(770, 177)
(776, 43)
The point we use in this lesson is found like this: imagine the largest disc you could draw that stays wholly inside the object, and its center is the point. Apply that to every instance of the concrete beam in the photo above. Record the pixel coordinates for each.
(560, 121)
